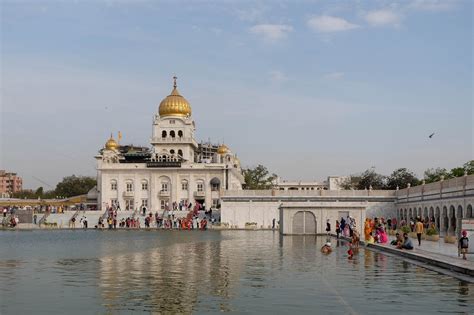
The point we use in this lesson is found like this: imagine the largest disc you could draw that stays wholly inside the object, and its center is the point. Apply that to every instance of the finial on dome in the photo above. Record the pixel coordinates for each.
(175, 85)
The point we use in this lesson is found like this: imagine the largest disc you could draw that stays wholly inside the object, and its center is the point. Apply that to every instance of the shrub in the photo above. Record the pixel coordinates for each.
(405, 229)
(431, 231)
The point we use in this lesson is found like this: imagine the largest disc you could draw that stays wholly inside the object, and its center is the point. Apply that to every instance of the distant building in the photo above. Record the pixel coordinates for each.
(332, 183)
(9, 183)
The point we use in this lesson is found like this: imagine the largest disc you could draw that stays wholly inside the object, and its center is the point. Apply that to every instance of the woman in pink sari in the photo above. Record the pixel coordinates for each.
(383, 237)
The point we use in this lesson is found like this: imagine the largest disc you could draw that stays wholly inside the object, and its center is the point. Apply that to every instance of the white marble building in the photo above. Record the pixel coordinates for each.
(175, 168)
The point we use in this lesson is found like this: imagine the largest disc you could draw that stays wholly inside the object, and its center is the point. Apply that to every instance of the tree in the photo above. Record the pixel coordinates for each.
(457, 172)
(350, 183)
(258, 178)
(370, 178)
(469, 167)
(433, 175)
(75, 185)
(401, 178)
(39, 192)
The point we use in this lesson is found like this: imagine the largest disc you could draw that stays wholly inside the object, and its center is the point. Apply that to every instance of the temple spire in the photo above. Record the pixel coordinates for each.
(175, 85)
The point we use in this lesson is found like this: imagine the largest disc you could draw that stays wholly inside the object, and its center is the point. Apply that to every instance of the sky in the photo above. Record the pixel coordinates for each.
(307, 88)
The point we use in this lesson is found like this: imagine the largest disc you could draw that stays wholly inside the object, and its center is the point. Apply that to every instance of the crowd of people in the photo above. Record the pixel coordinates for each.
(168, 219)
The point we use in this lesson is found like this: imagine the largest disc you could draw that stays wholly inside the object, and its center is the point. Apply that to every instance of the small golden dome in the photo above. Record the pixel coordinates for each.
(111, 144)
(174, 104)
(223, 149)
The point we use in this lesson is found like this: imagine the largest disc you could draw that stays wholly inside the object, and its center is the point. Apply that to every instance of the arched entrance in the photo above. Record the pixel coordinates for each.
(459, 217)
(469, 212)
(444, 221)
(452, 220)
(437, 219)
(304, 222)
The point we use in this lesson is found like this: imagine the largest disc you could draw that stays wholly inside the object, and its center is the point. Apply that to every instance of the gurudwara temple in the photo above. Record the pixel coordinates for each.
(174, 169)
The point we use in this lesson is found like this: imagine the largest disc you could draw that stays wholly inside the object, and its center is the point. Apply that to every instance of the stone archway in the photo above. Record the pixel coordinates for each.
(459, 216)
(469, 211)
(304, 222)
(410, 214)
(444, 221)
(438, 219)
(452, 220)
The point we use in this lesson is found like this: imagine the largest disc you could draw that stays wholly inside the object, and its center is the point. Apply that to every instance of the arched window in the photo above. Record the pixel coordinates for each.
(129, 185)
(184, 184)
(172, 134)
(215, 184)
(180, 133)
(113, 184)
(180, 153)
(163, 134)
(144, 184)
(200, 185)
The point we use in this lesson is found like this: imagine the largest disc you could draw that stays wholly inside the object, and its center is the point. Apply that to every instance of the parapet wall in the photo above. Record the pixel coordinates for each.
(260, 208)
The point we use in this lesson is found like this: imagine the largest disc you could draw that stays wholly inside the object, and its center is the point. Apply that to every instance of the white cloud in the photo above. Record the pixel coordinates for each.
(433, 5)
(278, 76)
(271, 32)
(382, 18)
(334, 75)
(328, 24)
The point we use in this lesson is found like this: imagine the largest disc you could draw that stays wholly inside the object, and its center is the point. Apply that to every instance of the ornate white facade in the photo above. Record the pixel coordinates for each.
(175, 168)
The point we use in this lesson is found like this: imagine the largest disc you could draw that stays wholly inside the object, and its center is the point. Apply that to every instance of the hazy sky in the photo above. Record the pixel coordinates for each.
(307, 88)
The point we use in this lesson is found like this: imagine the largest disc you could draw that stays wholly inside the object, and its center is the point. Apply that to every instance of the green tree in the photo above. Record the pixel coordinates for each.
(469, 167)
(350, 183)
(25, 194)
(401, 178)
(74, 185)
(39, 192)
(258, 178)
(457, 172)
(433, 175)
(370, 178)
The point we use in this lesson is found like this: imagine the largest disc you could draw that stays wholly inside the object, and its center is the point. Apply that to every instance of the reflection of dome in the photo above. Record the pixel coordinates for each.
(174, 104)
(111, 144)
(223, 149)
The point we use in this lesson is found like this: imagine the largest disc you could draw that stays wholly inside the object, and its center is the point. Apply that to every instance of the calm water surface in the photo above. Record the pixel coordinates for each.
(83, 272)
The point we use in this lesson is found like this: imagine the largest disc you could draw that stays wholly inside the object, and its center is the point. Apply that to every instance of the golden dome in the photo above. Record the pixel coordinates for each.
(174, 104)
(111, 144)
(223, 149)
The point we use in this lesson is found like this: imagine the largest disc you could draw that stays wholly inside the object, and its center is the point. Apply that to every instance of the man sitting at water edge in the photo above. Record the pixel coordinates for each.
(407, 244)
(398, 241)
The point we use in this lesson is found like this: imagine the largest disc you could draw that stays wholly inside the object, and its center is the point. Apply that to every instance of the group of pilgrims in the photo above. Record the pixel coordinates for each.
(167, 220)
(375, 231)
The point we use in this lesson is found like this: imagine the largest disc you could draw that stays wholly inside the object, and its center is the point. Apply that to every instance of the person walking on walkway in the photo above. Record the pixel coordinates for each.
(464, 244)
(419, 230)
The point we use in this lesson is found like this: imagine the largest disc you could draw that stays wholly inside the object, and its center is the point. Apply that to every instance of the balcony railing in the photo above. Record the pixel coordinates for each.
(128, 194)
(199, 194)
(164, 193)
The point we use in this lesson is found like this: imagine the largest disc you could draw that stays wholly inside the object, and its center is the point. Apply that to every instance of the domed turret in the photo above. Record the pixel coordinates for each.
(174, 104)
(111, 144)
(223, 149)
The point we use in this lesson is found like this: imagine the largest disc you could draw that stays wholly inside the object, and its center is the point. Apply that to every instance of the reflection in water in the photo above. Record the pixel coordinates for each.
(168, 279)
(194, 271)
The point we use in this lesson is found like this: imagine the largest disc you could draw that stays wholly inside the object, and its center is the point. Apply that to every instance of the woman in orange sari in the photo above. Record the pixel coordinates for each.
(367, 228)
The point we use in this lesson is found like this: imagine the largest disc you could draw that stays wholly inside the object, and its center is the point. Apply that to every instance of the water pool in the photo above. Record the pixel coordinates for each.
(78, 272)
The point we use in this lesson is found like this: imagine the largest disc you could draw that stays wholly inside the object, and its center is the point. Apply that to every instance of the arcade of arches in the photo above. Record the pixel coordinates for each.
(447, 217)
